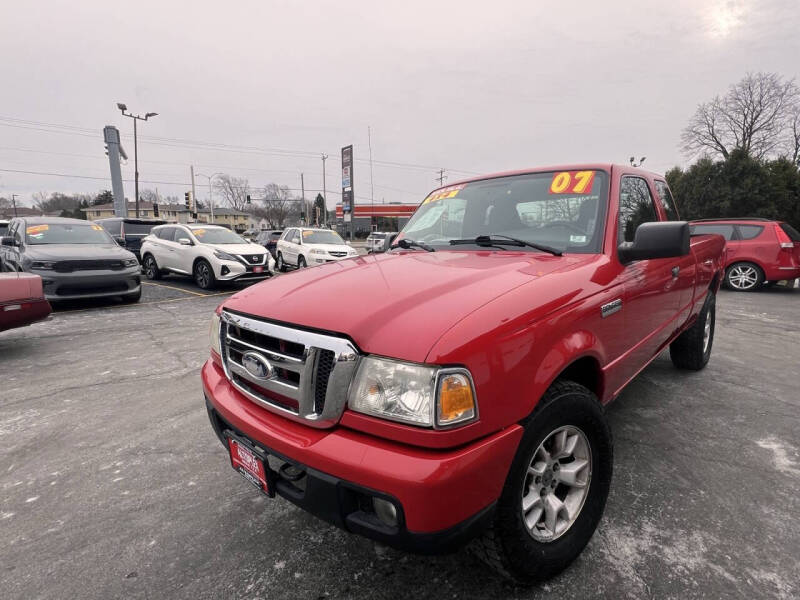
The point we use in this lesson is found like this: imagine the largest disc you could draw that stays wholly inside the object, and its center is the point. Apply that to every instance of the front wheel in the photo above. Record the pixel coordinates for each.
(744, 277)
(279, 264)
(151, 270)
(556, 489)
(301, 262)
(204, 275)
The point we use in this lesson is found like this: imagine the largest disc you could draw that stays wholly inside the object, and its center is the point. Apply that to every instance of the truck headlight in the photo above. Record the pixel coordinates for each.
(411, 393)
(130, 262)
(43, 265)
(317, 251)
(213, 334)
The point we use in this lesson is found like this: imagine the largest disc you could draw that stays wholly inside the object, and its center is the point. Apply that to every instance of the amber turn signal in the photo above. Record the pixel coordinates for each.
(456, 401)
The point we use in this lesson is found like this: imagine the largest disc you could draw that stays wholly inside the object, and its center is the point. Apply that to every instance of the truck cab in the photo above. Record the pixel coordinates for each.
(462, 398)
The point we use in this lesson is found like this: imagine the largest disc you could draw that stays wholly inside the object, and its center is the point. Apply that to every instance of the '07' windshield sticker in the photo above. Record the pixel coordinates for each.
(572, 182)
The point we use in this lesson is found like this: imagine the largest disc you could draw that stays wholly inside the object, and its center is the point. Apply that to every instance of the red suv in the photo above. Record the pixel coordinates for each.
(758, 250)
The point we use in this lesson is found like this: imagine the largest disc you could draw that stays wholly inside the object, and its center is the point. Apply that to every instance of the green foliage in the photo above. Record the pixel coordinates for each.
(104, 197)
(740, 186)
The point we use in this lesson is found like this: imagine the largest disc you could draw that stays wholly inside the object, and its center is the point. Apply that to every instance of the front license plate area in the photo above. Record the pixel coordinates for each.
(250, 465)
(258, 269)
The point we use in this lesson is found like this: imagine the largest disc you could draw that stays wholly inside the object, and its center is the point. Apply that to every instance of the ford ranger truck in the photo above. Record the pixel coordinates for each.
(452, 389)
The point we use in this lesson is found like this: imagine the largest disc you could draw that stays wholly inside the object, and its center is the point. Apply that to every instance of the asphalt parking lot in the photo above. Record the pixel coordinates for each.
(113, 485)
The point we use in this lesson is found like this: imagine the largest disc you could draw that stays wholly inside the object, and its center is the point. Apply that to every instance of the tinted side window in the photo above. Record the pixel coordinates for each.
(667, 201)
(112, 227)
(167, 233)
(793, 234)
(635, 207)
(748, 232)
(725, 231)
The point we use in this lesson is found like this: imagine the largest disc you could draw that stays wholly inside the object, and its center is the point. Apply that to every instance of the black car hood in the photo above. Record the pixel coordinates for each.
(76, 252)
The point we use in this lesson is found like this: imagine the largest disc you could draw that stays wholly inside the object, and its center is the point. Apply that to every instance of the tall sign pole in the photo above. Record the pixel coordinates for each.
(111, 136)
(348, 198)
(324, 190)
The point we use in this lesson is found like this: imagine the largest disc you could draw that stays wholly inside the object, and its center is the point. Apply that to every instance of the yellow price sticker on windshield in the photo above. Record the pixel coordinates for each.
(572, 182)
(198, 232)
(36, 229)
(97, 228)
(450, 191)
(307, 233)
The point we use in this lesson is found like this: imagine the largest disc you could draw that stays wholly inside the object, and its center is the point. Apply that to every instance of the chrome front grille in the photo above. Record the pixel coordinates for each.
(299, 374)
(337, 253)
(253, 259)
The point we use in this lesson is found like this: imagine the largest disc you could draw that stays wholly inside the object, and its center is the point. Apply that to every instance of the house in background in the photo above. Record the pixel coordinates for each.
(235, 220)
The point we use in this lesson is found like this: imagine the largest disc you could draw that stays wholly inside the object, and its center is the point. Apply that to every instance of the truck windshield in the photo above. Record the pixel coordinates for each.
(66, 233)
(564, 210)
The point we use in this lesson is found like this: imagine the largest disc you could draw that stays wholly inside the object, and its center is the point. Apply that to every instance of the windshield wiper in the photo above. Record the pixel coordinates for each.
(405, 243)
(504, 240)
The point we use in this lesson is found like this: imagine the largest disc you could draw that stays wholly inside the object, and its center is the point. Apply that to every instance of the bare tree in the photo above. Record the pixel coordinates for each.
(752, 116)
(234, 190)
(793, 145)
(277, 203)
(148, 195)
(39, 200)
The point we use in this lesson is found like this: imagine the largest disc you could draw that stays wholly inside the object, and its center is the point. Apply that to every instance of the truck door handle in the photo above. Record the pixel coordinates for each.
(675, 271)
(708, 262)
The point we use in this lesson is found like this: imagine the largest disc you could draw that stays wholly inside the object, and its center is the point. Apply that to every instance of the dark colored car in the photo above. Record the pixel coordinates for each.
(269, 239)
(380, 241)
(75, 258)
(21, 300)
(758, 250)
(128, 232)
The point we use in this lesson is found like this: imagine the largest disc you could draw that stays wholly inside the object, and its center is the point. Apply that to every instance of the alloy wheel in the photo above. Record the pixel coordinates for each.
(743, 277)
(556, 483)
(202, 275)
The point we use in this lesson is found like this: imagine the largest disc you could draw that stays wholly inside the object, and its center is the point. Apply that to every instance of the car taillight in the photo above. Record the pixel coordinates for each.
(784, 240)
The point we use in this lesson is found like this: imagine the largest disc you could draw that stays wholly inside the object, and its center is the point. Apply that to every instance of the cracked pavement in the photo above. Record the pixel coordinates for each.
(113, 485)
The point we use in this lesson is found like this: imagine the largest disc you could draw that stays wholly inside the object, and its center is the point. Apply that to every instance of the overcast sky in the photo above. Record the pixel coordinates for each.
(473, 87)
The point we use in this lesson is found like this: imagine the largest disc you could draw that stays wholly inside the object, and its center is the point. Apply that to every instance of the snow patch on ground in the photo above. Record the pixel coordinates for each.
(782, 455)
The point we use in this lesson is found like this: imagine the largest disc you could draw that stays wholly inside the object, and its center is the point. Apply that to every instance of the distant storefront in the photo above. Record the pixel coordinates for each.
(376, 217)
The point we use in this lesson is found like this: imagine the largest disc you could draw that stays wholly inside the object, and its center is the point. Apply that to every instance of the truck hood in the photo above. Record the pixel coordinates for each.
(396, 304)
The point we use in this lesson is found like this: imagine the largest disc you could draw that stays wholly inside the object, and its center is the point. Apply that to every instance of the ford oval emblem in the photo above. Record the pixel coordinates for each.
(258, 366)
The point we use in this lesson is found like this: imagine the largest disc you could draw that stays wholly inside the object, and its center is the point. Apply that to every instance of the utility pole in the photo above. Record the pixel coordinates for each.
(194, 196)
(324, 191)
(14, 203)
(303, 196)
(372, 220)
(135, 118)
(442, 177)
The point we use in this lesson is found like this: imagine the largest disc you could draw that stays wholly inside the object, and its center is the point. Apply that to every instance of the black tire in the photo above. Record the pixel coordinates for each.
(280, 265)
(204, 275)
(690, 350)
(508, 546)
(151, 270)
(301, 262)
(736, 281)
(132, 298)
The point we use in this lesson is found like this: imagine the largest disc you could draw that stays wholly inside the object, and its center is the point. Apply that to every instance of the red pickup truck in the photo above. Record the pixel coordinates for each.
(452, 389)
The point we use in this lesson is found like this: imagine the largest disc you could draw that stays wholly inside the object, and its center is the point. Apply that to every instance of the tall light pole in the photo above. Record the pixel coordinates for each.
(210, 188)
(324, 190)
(14, 203)
(135, 118)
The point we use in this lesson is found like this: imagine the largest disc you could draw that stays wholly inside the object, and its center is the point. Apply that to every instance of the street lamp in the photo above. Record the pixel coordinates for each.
(135, 118)
(210, 199)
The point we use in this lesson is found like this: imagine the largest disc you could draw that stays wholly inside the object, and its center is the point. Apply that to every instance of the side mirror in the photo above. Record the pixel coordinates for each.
(8, 241)
(185, 242)
(659, 239)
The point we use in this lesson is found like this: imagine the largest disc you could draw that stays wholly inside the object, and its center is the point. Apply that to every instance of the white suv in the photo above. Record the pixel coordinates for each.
(302, 247)
(207, 253)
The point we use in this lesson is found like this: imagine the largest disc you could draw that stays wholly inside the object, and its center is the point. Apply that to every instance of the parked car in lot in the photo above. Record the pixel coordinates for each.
(22, 300)
(129, 232)
(76, 259)
(462, 395)
(379, 241)
(269, 239)
(207, 253)
(301, 247)
(758, 250)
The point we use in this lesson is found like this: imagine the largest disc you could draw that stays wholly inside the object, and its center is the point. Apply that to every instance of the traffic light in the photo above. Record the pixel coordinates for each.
(188, 200)
(155, 209)
(248, 198)
(194, 216)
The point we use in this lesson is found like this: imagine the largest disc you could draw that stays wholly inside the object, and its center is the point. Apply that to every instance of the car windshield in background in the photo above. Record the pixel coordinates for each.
(3, 229)
(564, 210)
(217, 235)
(66, 233)
(322, 237)
(137, 228)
